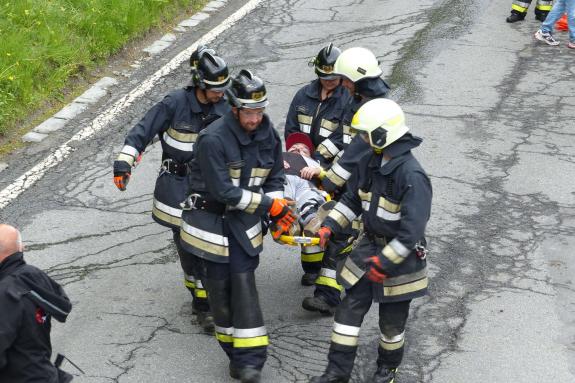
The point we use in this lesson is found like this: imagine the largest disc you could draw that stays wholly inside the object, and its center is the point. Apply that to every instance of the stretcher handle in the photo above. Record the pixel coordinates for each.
(299, 240)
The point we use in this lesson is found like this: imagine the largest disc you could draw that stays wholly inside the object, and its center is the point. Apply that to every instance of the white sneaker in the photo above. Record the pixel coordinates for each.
(546, 37)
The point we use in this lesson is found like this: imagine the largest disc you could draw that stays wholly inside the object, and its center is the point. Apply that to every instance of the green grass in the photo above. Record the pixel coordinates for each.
(46, 43)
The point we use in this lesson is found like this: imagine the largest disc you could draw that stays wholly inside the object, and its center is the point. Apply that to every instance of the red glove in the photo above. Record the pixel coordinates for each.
(324, 234)
(121, 181)
(122, 172)
(281, 216)
(375, 270)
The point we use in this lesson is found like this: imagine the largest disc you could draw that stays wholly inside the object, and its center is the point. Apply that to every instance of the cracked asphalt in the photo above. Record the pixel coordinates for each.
(495, 110)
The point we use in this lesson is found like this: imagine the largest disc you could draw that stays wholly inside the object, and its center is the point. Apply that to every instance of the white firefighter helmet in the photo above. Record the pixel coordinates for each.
(356, 64)
(382, 120)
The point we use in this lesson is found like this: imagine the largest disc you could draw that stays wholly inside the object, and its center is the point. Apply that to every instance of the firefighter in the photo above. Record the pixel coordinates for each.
(316, 110)
(29, 299)
(237, 179)
(361, 75)
(393, 194)
(519, 10)
(177, 120)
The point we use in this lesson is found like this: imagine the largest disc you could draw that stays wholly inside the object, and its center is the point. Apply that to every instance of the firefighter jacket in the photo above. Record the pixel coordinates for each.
(318, 119)
(28, 299)
(234, 177)
(394, 199)
(176, 120)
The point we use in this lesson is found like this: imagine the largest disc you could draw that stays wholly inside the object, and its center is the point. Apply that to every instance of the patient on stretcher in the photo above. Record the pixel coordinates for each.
(299, 166)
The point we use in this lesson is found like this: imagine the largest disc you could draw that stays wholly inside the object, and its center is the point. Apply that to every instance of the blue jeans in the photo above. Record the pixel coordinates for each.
(559, 8)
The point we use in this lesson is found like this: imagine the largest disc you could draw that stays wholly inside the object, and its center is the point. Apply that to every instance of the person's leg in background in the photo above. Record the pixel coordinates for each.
(545, 32)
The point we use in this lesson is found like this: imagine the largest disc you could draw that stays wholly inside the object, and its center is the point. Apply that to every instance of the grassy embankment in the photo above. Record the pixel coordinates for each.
(49, 47)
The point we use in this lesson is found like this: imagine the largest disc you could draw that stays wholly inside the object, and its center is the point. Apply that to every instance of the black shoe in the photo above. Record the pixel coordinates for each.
(308, 279)
(515, 17)
(328, 377)
(318, 304)
(384, 375)
(206, 321)
(250, 375)
(541, 16)
(234, 372)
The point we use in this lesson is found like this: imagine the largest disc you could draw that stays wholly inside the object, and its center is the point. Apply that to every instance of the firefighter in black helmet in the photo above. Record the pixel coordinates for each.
(317, 110)
(237, 180)
(177, 120)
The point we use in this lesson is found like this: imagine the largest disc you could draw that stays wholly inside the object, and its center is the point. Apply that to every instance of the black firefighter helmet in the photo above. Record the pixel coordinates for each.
(248, 91)
(211, 72)
(325, 60)
(195, 56)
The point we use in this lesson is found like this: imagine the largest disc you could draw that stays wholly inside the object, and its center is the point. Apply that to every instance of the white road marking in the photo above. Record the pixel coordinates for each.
(29, 178)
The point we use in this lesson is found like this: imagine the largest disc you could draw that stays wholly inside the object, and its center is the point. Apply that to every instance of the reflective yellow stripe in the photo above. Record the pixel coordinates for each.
(391, 346)
(260, 172)
(224, 338)
(390, 253)
(329, 125)
(303, 119)
(257, 241)
(311, 257)
(339, 218)
(388, 205)
(326, 281)
(166, 217)
(189, 284)
(204, 245)
(255, 202)
(258, 341)
(183, 137)
(126, 157)
(518, 8)
(334, 178)
(544, 7)
(357, 224)
(344, 339)
(406, 288)
(235, 173)
(348, 276)
(200, 293)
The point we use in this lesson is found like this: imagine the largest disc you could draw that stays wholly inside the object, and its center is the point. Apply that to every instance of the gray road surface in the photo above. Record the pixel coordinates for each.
(496, 111)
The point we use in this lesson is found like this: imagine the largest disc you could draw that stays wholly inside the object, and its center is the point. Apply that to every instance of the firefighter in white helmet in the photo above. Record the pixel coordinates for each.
(392, 193)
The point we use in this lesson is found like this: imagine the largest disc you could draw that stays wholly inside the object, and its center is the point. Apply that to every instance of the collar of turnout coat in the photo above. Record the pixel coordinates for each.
(19, 280)
(313, 89)
(397, 152)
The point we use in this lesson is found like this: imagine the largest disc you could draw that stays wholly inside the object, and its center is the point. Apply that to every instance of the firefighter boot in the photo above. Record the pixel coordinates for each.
(308, 279)
(384, 375)
(234, 372)
(329, 377)
(515, 17)
(206, 321)
(318, 304)
(250, 375)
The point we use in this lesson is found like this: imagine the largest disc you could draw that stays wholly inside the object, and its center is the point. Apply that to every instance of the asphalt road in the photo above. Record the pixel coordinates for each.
(496, 111)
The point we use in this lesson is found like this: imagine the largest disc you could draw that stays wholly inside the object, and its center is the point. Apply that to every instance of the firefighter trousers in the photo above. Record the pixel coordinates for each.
(326, 285)
(348, 319)
(192, 281)
(235, 305)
